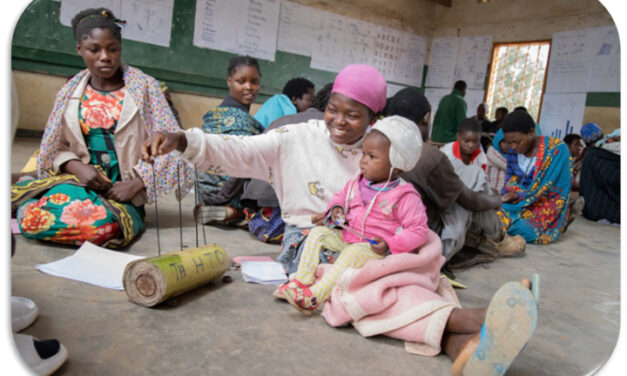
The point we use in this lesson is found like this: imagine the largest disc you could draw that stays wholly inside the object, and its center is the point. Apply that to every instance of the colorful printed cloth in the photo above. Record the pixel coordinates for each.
(226, 119)
(266, 224)
(155, 113)
(540, 213)
(69, 213)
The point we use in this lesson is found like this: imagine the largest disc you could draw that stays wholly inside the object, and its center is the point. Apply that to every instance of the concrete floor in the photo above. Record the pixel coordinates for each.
(240, 329)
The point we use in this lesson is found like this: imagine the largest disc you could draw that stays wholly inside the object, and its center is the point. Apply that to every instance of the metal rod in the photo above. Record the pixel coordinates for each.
(154, 187)
(202, 220)
(178, 174)
(196, 202)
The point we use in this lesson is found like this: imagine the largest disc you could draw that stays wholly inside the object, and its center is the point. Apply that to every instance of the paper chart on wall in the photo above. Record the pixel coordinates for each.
(604, 46)
(69, 8)
(473, 99)
(568, 64)
(327, 51)
(247, 27)
(341, 41)
(297, 28)
(562, 114)
(585, 60)
(442, 63)
(472, 60)
(399, 56)
(148, 21)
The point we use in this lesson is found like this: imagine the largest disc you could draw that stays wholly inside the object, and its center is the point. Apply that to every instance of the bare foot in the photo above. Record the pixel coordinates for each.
(457, 369)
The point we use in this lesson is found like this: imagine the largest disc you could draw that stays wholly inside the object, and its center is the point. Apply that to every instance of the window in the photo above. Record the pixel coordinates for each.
(517, 75)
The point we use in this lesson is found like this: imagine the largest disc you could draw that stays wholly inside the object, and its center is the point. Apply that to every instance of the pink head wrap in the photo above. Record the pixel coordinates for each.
(362, 83)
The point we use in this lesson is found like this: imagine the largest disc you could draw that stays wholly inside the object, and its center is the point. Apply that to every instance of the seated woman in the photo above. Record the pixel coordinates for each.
(537, 182)
(231, 117)
(91, 186)
(304, 164)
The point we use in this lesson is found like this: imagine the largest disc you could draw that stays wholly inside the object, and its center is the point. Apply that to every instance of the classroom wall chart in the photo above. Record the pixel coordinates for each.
(334, 41)
(562, 113)
(454, 59)
(585, 61)
(442, 62)
(247, 27)
(148, 21)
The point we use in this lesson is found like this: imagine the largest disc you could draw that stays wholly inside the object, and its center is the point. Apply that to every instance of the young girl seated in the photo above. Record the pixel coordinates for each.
(466, 151)
(467, 157)
(384, 214)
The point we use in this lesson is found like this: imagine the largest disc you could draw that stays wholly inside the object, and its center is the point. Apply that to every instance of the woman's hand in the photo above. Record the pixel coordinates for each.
(337, 215)
(510, 197)
(88, 175)
(162, 143)
(124, 191)
(381, 247)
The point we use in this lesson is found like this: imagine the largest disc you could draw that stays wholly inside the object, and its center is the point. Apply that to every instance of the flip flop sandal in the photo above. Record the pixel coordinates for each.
(302, 299)
(280, 292)
(510, 321)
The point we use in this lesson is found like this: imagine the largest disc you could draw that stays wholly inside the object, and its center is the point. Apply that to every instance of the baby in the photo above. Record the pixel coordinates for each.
(379, 213)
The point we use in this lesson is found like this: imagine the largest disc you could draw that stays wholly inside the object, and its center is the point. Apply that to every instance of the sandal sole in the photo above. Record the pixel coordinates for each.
(510, 321)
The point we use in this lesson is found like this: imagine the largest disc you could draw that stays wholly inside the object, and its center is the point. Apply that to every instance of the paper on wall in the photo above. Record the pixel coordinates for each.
(562, 113)
(148, 21)
(247, 27)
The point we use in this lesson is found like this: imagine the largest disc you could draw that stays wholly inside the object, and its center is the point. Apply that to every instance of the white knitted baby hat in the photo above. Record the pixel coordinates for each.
(405, 140)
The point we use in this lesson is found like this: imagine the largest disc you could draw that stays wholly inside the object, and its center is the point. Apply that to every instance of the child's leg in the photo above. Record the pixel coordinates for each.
(354, 255)
(319, 237)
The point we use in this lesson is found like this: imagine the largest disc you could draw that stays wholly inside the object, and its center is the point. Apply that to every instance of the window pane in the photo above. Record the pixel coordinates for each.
(517, 76)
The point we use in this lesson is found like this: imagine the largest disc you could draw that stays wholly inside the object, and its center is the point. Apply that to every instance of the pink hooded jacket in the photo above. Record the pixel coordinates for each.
(398, 216)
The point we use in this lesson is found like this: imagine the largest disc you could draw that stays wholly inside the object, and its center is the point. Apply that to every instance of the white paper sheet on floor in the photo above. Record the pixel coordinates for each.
(264, 272)
(92, 264)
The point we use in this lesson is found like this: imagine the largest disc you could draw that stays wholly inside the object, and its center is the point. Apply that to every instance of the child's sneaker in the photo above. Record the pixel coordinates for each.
(302, 299)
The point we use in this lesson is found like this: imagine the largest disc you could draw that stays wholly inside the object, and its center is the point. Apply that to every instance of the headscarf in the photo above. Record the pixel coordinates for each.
(590, 132)
(498, 137)
(405, 141)
(362, 83)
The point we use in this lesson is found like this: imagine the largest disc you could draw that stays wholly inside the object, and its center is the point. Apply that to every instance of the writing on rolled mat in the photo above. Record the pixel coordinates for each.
(212, 259)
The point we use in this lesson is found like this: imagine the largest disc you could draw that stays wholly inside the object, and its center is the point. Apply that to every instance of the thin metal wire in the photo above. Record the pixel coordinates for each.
(196, 195)
(202, 220)
(154, 188)
(178, 175)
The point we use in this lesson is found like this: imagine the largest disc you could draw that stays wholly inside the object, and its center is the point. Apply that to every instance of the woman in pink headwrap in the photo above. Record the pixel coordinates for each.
(305, 164)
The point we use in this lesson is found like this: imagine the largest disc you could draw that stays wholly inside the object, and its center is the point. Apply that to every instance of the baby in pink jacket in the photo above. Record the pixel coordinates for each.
(379, 212)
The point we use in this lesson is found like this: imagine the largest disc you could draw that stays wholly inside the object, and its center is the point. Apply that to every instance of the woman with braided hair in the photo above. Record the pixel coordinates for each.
(91, 183)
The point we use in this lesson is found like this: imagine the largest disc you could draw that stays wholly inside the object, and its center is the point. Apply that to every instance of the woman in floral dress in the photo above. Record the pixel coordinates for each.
(91, 184)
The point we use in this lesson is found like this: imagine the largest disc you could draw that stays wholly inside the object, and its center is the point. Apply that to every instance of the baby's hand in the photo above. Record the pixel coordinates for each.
(337, 215)
(381, 247)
